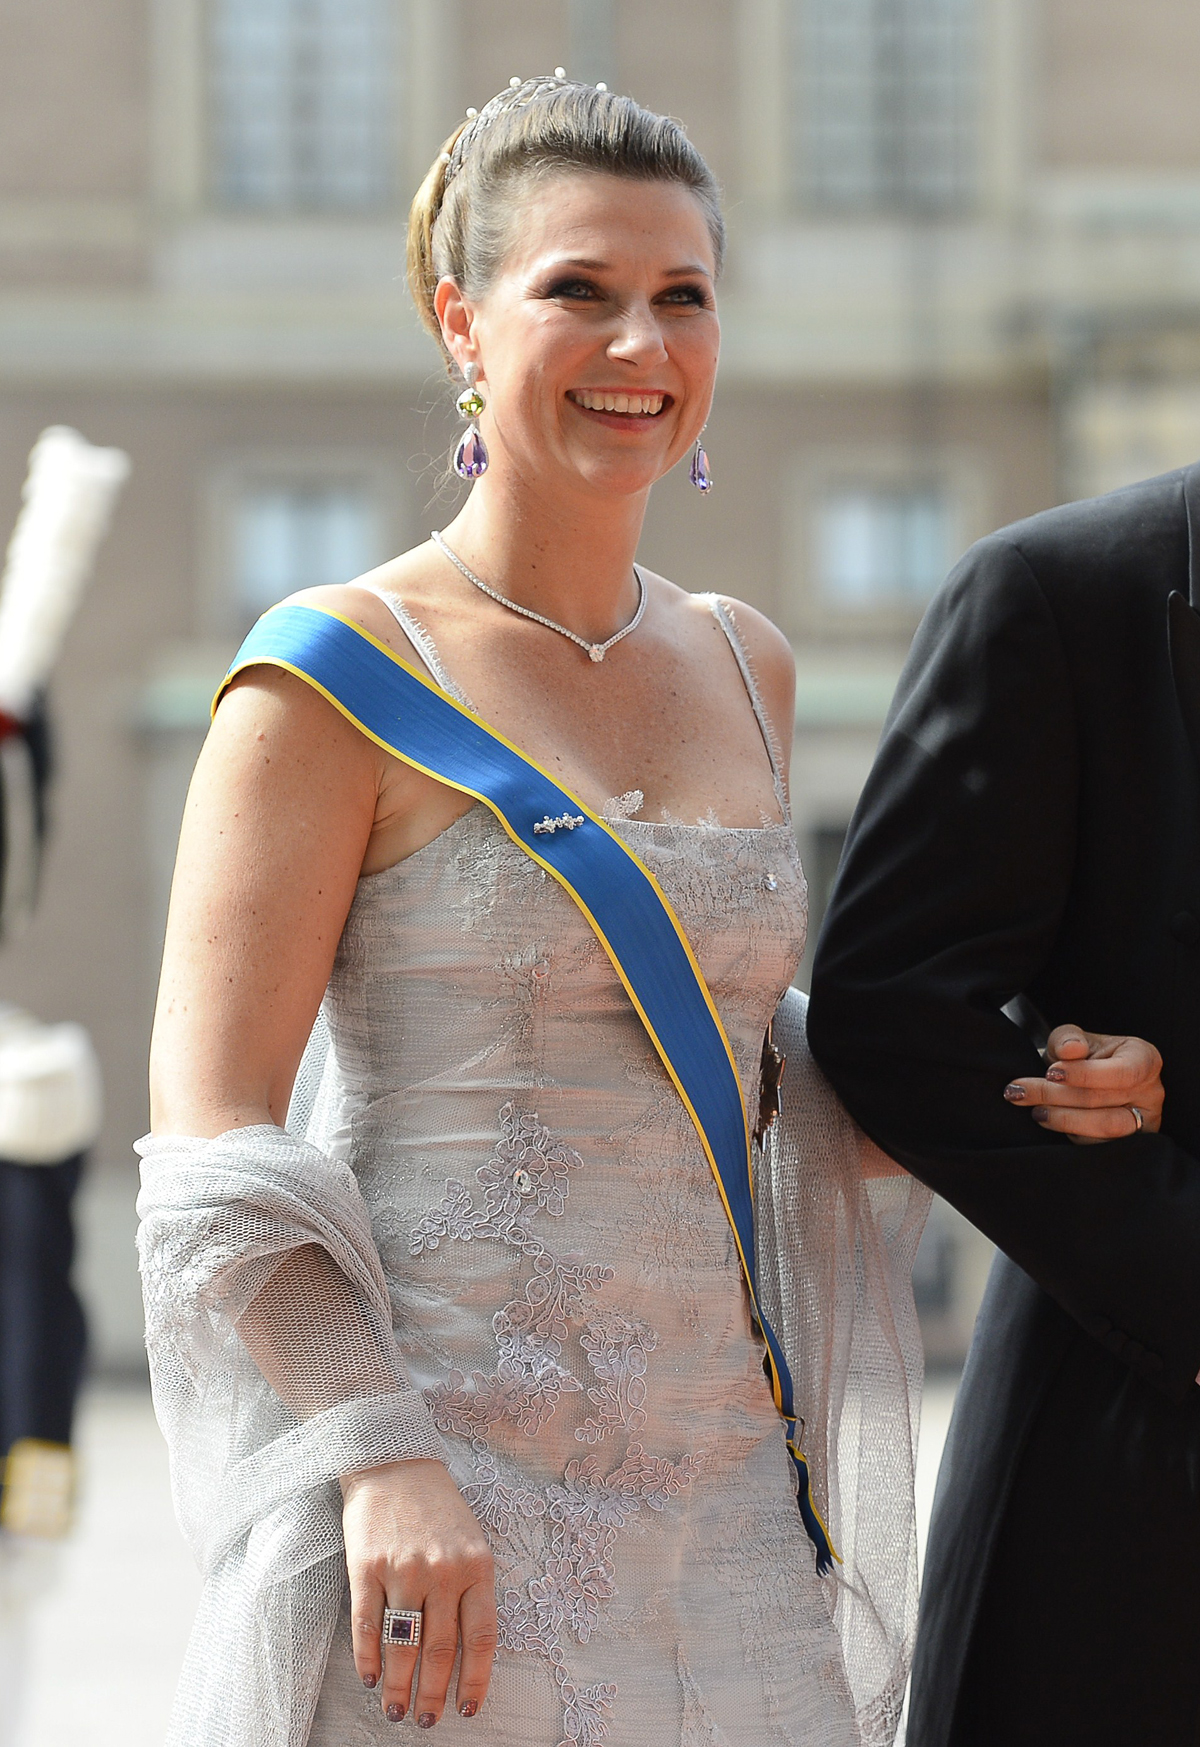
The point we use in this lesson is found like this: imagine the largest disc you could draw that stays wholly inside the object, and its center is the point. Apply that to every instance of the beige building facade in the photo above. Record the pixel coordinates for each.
(963, 284)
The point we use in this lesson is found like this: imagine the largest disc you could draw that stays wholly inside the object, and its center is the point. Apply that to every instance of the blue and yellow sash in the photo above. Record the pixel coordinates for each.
(415, 720)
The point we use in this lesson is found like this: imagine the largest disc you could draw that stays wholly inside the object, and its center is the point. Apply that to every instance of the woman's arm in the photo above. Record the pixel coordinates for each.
(277, 823)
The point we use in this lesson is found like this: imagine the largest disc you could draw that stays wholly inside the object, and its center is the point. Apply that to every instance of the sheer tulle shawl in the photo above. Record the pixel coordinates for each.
(255, 1478)
(838, 1226)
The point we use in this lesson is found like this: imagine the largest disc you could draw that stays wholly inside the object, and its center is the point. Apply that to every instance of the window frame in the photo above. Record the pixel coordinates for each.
(884, 502)
(1010, 69)
(821, 472)
(425, 38)
(894, 113)
(309, 176)
(218, 607)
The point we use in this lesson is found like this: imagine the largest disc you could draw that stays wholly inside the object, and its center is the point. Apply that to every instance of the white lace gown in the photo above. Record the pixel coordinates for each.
(567, 1294)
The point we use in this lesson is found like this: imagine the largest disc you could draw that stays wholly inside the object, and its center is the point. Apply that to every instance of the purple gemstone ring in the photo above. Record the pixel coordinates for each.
(402, 1627)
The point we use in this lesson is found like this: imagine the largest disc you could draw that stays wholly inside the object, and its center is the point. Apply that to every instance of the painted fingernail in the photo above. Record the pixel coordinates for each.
(426, 1720)
(469, 1707)
(1058, 1075)
(370, 1680)
(1014, 1093)
(395, 1713)
(1040, 1114)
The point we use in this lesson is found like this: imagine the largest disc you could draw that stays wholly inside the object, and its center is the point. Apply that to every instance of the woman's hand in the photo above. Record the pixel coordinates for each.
(1093, 1085)
(412, 1542)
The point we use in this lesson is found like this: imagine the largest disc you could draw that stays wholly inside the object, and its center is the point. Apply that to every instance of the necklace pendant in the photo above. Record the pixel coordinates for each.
(474, 462)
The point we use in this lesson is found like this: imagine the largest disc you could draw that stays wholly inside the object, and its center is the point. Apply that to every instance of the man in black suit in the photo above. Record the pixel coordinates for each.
(1029, 840)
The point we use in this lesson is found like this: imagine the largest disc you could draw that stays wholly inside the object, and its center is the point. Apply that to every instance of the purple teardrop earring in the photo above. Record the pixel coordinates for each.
(698, 472)
(471, 456)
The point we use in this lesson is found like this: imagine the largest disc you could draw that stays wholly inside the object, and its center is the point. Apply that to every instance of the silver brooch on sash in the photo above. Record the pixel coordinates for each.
(565, 822)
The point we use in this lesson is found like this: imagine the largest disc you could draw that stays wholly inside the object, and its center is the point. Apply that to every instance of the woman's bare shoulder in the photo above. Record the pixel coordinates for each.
(293, 705)
(770, 654)
(275, 701)
(364, 602)
(772, 663)
(361, 601)
(761, 636)
(769, 650)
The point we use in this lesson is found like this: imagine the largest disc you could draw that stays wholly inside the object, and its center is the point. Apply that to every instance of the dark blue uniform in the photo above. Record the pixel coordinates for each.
(42, 1335)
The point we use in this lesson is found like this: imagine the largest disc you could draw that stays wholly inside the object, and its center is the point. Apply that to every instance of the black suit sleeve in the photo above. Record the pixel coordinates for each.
(957, 872)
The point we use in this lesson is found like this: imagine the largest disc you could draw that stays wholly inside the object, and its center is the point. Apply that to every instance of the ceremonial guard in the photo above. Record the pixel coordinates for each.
(50, 1103)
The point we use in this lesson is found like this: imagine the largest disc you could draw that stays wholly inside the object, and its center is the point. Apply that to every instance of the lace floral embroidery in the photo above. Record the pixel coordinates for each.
(585, 1708)
(498, 1503)
(617, 1349)
(453, 1216)
(526, 1163)
(528, 1173)
(585, 1512)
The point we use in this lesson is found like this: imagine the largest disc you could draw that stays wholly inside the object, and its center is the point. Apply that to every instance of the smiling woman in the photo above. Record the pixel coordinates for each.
(470, 217)
(491, 1286)
(575, 345)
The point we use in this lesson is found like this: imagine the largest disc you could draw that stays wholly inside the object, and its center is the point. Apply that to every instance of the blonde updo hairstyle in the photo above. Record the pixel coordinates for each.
(460, 222)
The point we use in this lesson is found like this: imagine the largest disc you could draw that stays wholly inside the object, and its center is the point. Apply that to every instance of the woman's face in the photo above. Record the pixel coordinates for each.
(597, 341)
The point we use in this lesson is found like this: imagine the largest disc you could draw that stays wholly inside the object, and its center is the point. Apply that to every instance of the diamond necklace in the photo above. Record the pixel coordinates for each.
(597, 651)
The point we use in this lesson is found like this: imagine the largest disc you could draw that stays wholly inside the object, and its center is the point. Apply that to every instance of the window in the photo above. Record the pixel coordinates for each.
(303, 99)
(886, 100)
(291, 535)
(882, 546)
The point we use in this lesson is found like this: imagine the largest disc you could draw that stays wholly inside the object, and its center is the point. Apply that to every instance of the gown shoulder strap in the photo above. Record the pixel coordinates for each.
(723, 614)
(424, 644)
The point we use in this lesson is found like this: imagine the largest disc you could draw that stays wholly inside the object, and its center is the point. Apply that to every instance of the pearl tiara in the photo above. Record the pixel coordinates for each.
(518, 94)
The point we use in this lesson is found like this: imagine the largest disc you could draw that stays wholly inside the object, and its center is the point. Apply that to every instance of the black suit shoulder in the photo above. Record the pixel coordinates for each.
(1093, 577)
(1133, 539)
